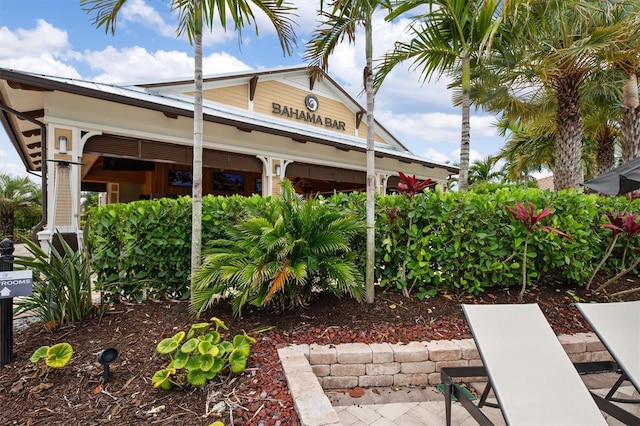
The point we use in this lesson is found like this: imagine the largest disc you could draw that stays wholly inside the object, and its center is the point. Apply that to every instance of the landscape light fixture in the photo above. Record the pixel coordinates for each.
(106, 357)
(62, 144)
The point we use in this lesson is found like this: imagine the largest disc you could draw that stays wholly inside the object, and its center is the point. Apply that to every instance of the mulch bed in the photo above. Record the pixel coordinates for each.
(75, 394)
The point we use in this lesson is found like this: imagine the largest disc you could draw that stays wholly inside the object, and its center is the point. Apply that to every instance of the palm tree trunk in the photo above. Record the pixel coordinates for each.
(371, 168)
(605, 154)
(196, 218)
(7, 223)
(630, 120)
(568, 172)
(465, 137)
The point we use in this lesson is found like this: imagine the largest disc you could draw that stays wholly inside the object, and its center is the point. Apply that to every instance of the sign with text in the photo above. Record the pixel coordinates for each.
(15, 283)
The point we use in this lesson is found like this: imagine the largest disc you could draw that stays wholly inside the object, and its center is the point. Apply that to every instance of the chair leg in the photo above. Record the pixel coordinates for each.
(447, 402)
(614, 389)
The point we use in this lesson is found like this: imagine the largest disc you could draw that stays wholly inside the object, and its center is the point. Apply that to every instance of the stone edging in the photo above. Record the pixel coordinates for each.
(310, 369)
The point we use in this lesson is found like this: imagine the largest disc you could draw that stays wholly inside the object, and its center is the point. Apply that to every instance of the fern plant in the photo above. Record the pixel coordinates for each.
(280, 256)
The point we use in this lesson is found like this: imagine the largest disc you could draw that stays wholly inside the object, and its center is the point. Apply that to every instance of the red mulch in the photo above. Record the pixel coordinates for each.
(259, 396)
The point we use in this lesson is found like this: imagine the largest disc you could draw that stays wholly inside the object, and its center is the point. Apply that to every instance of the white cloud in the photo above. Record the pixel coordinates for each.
(137, 64)
(3, 153)
(42, 50)
(43, 64)
(473, 155)
(32, 42)
(436, 156)
(139, 13)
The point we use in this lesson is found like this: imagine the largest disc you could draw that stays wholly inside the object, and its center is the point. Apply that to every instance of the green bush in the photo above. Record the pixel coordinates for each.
(469, 241)
(143, 249)
(202, 356)
(280, 255)
(61, 293)
(431, 242)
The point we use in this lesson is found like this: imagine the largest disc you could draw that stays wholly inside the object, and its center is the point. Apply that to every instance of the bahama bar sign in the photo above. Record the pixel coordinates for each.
(307, 116)
(15, 283)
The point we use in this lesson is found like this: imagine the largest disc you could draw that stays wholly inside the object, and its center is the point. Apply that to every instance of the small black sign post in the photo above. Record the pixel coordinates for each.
(6, 306)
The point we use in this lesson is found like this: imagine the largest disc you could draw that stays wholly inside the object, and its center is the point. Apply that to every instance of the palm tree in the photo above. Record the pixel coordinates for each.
(453, 35)
(16, 194)
(626, 60)
(193, 15)
(553, 47)
(280, 256)
(484, 171)
(341, 22)
(530, 124)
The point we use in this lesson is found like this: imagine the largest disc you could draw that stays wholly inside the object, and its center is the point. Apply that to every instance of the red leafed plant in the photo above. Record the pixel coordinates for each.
(410, 185)
(620, 224)
(532, 221)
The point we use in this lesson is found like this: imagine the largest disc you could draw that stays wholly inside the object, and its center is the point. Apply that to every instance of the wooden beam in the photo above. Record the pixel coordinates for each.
(253, 85)
(37, 113)
(32, 132)
(359, 116)
(22, 86)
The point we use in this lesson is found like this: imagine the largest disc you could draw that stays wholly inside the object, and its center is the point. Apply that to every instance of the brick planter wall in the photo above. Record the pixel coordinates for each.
(417, 363)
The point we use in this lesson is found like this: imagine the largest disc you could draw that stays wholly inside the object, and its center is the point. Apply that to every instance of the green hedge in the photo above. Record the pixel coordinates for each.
(470, 241)
(452, 240)
(145, 246)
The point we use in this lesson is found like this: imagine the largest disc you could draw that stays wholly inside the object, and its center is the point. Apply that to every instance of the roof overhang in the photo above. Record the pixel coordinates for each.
(23, 92)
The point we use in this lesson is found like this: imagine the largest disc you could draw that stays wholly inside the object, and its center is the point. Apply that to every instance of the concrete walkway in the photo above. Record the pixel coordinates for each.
(425, 406)
(396, 406)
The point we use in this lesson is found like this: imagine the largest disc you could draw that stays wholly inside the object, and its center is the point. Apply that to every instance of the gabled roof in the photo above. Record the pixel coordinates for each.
(168, 97)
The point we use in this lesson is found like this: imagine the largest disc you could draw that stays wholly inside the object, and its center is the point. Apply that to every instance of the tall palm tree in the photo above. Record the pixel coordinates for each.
(484, 171)
(531, 127)
(16, 194)
(341, 22)
(452, 35)
(193, 15)
(626, 60)
(554, 46)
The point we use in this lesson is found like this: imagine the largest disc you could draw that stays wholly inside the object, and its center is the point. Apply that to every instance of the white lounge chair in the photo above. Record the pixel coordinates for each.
(618, 328)
(532, 377)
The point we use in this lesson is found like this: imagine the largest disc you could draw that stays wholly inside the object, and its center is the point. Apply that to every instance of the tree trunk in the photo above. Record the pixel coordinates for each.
(465, 137)
(196, 218)
(568, 170)
(371, 168)
(630, 119)
(7, 224)
(605, 154)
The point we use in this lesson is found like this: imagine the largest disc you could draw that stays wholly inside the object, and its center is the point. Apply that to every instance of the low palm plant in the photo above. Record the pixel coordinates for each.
(280, 256)
(61, 293)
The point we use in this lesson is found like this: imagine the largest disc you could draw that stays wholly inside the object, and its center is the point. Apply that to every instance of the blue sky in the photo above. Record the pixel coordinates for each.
(56, 37)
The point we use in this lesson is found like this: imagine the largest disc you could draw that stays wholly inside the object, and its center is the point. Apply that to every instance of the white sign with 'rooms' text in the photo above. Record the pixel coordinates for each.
(15, 283)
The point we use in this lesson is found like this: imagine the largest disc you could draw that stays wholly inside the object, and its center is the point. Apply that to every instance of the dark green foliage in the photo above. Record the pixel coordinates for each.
(61, 285)
(468, 241)
(433, 241)
(143, 248)
(280, 255)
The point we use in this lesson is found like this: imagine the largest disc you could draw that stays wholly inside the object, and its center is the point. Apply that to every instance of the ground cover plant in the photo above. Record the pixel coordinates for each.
(75, 394)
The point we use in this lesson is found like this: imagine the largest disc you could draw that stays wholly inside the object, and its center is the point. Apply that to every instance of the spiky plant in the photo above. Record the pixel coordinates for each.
(279, 257)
